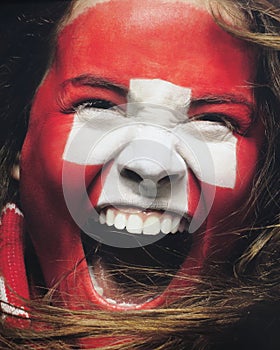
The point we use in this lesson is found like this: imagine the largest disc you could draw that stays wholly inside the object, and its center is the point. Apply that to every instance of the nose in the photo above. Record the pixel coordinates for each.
(149, 171)
(150, 165)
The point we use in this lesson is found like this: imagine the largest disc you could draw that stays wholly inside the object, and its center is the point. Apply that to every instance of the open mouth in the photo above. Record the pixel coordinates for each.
(133, 255)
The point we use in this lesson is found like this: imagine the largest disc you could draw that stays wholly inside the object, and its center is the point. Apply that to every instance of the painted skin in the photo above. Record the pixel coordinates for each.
(118, 41)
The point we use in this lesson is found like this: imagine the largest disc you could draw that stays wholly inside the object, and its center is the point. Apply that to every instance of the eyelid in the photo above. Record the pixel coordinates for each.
(91, 103)
(228, 121)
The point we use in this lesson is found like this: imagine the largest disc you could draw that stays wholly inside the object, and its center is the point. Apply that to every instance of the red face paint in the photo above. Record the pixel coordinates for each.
(119, 41)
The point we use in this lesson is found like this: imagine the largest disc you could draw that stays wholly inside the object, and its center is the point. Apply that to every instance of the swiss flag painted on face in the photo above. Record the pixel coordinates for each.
(161, 100)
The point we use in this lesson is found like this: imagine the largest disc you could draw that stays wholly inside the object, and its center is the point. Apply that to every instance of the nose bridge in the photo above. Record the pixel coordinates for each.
(152, 156)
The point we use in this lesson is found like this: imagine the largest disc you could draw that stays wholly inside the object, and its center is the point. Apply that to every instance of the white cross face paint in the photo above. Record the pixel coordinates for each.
(152, 146)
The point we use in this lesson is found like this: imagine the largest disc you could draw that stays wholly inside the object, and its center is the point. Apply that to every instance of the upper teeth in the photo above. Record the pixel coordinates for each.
(137, 222)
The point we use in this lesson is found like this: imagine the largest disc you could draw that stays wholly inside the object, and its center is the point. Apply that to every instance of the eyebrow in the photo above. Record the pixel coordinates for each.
(222, 99)
(225, 99)
(96, 81)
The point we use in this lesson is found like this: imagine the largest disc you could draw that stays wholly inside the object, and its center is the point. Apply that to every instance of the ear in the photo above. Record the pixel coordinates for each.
(15, 171)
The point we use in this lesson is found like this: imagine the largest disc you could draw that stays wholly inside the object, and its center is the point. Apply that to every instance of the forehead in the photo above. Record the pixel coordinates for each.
(175, 41)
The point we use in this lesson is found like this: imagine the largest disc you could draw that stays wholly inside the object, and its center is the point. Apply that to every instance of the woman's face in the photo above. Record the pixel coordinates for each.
(142, 138)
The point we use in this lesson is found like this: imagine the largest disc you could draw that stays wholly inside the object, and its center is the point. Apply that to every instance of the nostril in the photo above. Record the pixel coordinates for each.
(164, 181)
(168, 179)
(174, 177)
(131, 175)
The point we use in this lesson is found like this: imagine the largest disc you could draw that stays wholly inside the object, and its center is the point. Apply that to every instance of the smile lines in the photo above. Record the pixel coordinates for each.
(147, 223)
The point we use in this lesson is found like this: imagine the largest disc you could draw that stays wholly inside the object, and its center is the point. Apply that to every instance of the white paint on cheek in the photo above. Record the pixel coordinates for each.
(210, 151)
(95, 136)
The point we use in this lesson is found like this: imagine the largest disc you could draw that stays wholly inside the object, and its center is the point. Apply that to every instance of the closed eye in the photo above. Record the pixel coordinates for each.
(93, 103)
(87, 104)
(221, 119)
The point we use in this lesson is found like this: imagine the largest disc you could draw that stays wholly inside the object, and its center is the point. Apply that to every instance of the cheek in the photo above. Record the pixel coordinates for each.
(248, 160)
(41, 184)
(95, 184)
(51, 180)
(248, 156)
(42, 153)
(193, 193)
(54, 230)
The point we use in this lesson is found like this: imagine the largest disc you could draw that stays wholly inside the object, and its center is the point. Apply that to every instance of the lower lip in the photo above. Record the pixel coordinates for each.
(178, 287)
